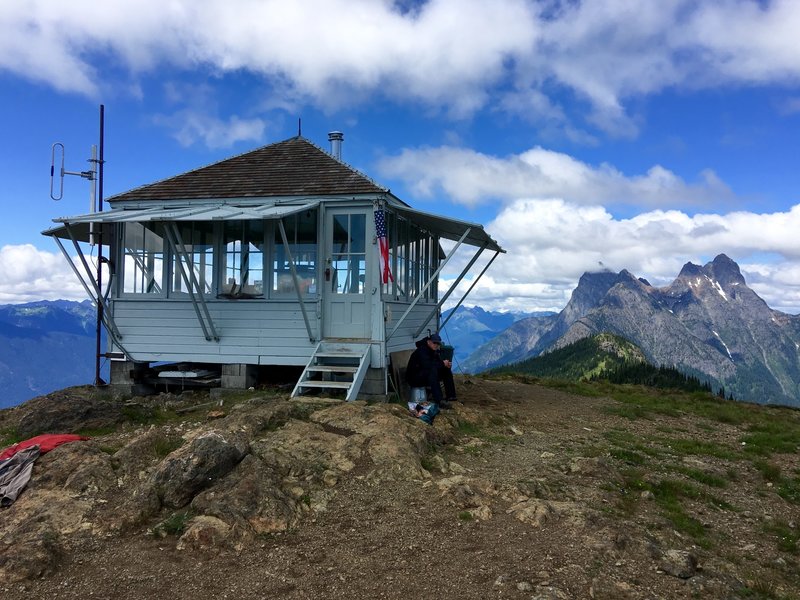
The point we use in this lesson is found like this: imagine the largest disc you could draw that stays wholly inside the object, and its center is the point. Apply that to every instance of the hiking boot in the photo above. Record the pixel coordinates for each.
(445, 405)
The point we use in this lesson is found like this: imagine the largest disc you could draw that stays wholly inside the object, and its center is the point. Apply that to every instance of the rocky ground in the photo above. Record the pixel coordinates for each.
(520, 491)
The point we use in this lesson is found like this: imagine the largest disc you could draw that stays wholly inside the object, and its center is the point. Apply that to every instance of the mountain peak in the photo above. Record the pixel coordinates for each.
(725, 271)
(690, 270)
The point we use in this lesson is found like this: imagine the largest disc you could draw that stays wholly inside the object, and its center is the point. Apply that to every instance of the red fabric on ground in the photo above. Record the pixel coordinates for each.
(46, 442)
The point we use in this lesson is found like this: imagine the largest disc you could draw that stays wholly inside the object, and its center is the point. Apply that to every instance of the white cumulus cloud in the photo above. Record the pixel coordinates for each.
(28, 274)
(470, 177)
(455, 55)
(551, 243)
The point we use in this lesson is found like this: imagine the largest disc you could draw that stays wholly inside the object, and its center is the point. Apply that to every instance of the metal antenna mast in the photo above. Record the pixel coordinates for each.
(95, 176)
(98, 350)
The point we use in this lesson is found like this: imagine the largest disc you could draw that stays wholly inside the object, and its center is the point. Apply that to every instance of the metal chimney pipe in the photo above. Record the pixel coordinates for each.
(336, 138)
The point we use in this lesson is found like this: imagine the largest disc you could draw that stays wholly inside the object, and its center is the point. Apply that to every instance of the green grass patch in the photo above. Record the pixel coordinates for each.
(465, 515)
(142, 415)
(593, 451)
(625, 440)
(97, 431)
(669, 494)
(579, 388)
(769, 471)
(704, 477)
(163, 446)
(428, 464)
(685, 446)
(9, 436)
(630, 457)
(787, 537)
(761, 589)
(768, 437)
(789, 490)
(633, 484)
(498, 438)
(175, 524)
(468, 428)
(628, 411)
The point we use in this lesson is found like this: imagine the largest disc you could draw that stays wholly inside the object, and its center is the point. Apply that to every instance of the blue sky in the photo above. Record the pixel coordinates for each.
(636, 134)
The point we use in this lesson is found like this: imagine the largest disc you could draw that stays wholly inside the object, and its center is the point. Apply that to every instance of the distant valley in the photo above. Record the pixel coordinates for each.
(45, 346)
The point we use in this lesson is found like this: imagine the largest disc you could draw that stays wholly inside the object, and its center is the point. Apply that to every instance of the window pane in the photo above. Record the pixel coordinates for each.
(301, 233)
(198, 243)
(143, 259)
(341, 233)
(244, 258)
(348, 274)
(348, 265)
(358, 232)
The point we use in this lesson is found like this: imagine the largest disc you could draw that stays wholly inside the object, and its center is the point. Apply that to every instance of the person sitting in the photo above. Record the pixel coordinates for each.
(426, 369)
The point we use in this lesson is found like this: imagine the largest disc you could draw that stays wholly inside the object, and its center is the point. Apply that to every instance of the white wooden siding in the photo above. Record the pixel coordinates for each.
(403, 338)
(251, 332)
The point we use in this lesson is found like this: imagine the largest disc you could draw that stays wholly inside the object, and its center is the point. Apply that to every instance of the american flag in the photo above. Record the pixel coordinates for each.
(383, 243)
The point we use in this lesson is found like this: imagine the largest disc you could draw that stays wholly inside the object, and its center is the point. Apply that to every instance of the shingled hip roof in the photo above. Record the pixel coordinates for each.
(293, 167)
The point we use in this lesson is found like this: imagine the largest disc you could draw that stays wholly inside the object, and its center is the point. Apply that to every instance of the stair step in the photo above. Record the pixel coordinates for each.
(342, 385)
(332, 369)
(343, 354)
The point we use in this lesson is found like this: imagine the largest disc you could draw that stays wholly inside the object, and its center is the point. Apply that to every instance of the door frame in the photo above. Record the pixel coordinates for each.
(361, 301)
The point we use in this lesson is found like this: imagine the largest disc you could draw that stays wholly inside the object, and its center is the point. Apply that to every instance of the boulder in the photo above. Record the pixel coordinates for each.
(305, 451)
(393, 442)
(196, 465)
(205, 533)
(250, 498)
(679, 563)
(67, 411)
(135, 461)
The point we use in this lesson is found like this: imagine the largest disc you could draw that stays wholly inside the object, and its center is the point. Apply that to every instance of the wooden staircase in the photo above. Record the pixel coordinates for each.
(335, 365)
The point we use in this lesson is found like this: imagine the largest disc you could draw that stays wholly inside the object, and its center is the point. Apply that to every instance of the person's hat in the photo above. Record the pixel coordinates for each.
(436, 338)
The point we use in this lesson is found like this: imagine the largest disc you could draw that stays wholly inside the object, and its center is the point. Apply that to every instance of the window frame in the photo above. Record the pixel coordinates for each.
(124, 254)
(276, 249)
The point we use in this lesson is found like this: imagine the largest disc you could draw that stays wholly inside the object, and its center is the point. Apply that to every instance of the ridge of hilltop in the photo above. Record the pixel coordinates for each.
(590, 490)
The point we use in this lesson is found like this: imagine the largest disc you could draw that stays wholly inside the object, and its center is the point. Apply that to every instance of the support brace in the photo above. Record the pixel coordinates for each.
(293, 269)
(191, 282)
(429, 283)
(455, 308)
(449, 291)
(96, 296)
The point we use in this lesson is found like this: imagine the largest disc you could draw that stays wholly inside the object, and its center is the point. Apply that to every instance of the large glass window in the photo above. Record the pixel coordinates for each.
(414, 257)
(143, 259)
(349, 260)
(198, 243)
(301, 234)
(243, 263)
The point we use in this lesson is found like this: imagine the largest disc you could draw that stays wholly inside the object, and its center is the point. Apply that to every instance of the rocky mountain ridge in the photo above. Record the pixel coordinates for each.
(707, 323)
(472, 326)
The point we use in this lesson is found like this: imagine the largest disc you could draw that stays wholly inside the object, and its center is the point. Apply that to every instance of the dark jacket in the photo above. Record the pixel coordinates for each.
(422, 361)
